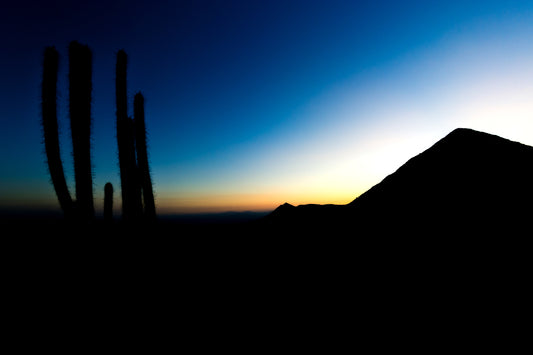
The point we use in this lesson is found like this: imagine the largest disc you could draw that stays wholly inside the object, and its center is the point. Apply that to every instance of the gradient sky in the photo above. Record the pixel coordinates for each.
(250, 104)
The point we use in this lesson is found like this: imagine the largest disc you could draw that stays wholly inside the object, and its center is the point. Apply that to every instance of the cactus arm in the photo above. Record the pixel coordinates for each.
(50, 130)
(131, 198)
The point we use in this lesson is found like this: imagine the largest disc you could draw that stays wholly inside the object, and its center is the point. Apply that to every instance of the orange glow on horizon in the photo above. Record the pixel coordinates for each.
(242, 202)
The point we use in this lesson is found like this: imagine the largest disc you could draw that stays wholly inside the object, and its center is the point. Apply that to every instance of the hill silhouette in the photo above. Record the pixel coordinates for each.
(469, 181)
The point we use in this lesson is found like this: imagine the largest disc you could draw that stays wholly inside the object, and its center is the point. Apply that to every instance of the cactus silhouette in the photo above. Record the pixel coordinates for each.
(80, 72)
(131, 139)
(130, 186)
(50, 130)
(80, 86)
(142, 157)
(108, 202)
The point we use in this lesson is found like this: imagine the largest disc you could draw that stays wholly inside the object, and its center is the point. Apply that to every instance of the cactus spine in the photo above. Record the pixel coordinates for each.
(142, 157)
(80, 123)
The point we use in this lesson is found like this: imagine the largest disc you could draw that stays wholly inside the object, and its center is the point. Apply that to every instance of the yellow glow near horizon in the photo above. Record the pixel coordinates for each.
(354, 136)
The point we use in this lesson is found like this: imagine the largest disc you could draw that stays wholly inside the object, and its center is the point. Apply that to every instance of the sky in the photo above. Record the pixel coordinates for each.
(250, 104)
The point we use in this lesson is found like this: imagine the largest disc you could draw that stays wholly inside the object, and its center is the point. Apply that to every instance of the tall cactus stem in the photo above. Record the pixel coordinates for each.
(142, 157)
(131, 198)
(80, 87)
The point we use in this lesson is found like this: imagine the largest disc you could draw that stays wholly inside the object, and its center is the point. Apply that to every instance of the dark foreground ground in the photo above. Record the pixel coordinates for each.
(432, 258)
(253, 285)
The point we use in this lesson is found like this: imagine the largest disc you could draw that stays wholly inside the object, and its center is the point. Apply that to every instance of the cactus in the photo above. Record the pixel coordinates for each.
(80, 123)
(142, 157)
(80, 86)
(50, 130)
(131, 194)
(134, 178)
(108, 202)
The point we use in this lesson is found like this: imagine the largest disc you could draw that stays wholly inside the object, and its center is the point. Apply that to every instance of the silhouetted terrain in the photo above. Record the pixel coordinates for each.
(328, 263)
(467, 182)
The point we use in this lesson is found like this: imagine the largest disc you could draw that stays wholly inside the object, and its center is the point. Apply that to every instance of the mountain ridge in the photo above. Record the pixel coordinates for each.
(467, 178)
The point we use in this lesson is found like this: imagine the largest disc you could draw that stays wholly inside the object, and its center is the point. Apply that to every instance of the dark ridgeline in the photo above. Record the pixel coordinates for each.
(142, 157)
(80, 87)
(445, 237)
(134, 176)
(467, 183)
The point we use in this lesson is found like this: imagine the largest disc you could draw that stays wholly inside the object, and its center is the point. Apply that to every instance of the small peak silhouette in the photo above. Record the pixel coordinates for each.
(285, 206)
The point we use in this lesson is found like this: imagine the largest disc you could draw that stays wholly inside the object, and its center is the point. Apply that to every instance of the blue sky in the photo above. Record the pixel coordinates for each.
(250, 104)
